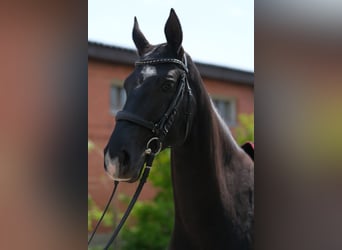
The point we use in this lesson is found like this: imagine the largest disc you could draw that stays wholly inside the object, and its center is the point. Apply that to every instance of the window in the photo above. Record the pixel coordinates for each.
(227, 110)
(117, 98)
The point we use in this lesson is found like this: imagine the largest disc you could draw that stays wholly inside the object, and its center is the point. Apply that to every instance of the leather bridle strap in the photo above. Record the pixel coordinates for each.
(161, 128)
(167, 120)
(164, 61)
(126, 116)
(116, 183)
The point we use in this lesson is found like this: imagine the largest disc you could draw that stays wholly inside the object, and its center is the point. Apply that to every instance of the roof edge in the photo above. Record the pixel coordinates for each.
(127, 56)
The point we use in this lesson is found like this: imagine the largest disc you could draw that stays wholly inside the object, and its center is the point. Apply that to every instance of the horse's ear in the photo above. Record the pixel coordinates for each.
(173, 32)
(139, 39)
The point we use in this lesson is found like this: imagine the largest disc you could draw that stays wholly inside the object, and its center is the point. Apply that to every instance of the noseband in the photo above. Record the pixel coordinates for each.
(159, 131)
(161, 127)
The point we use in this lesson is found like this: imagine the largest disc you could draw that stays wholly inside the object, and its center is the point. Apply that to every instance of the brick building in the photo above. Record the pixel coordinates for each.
(231, 90)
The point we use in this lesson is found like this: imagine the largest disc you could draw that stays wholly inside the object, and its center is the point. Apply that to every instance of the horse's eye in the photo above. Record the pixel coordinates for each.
(167, 86)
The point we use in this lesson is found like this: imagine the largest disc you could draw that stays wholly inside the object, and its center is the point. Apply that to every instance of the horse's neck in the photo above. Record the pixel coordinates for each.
(203, 162)
(210, 140)
(200, 172)
(212, 182)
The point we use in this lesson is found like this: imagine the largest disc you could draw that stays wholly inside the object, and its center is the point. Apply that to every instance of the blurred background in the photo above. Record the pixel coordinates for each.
(222, 46)
(43, 125)
(298, 125)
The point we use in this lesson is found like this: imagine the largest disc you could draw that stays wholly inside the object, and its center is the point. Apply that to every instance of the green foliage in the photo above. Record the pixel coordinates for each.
(94, 214)
(153, 219)
(91, 145)
(245, 131)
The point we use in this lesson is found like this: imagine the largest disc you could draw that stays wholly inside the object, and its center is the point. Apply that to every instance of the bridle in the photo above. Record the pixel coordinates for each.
(159, 131)
(161, 128)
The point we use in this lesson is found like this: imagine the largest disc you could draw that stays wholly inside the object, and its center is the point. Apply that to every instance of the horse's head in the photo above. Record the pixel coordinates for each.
(157, 112)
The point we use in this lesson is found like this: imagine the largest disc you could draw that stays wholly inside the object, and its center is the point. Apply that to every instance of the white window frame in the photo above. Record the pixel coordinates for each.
(227, 109)
(117, 97)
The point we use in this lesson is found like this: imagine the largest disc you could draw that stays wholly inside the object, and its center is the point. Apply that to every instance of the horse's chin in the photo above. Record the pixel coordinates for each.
(135, 177)
(134, 174)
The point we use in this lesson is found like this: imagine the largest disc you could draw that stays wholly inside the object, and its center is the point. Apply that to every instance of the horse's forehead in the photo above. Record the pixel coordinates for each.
(155, 52)
(148, 71)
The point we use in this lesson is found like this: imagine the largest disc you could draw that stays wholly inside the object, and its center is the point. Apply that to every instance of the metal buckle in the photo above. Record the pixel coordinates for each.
(149, 150)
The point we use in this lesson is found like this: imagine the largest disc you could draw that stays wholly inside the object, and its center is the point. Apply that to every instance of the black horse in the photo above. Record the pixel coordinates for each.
(213, 178)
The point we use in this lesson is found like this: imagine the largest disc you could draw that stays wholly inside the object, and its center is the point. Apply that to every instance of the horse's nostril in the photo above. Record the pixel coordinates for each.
(123, 158)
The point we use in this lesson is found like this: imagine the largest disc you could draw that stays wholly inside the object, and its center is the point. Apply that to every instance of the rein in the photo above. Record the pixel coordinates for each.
(149, 157)
(159, 130)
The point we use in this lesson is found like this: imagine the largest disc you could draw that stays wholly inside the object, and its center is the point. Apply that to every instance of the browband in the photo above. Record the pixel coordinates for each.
(165, 60)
